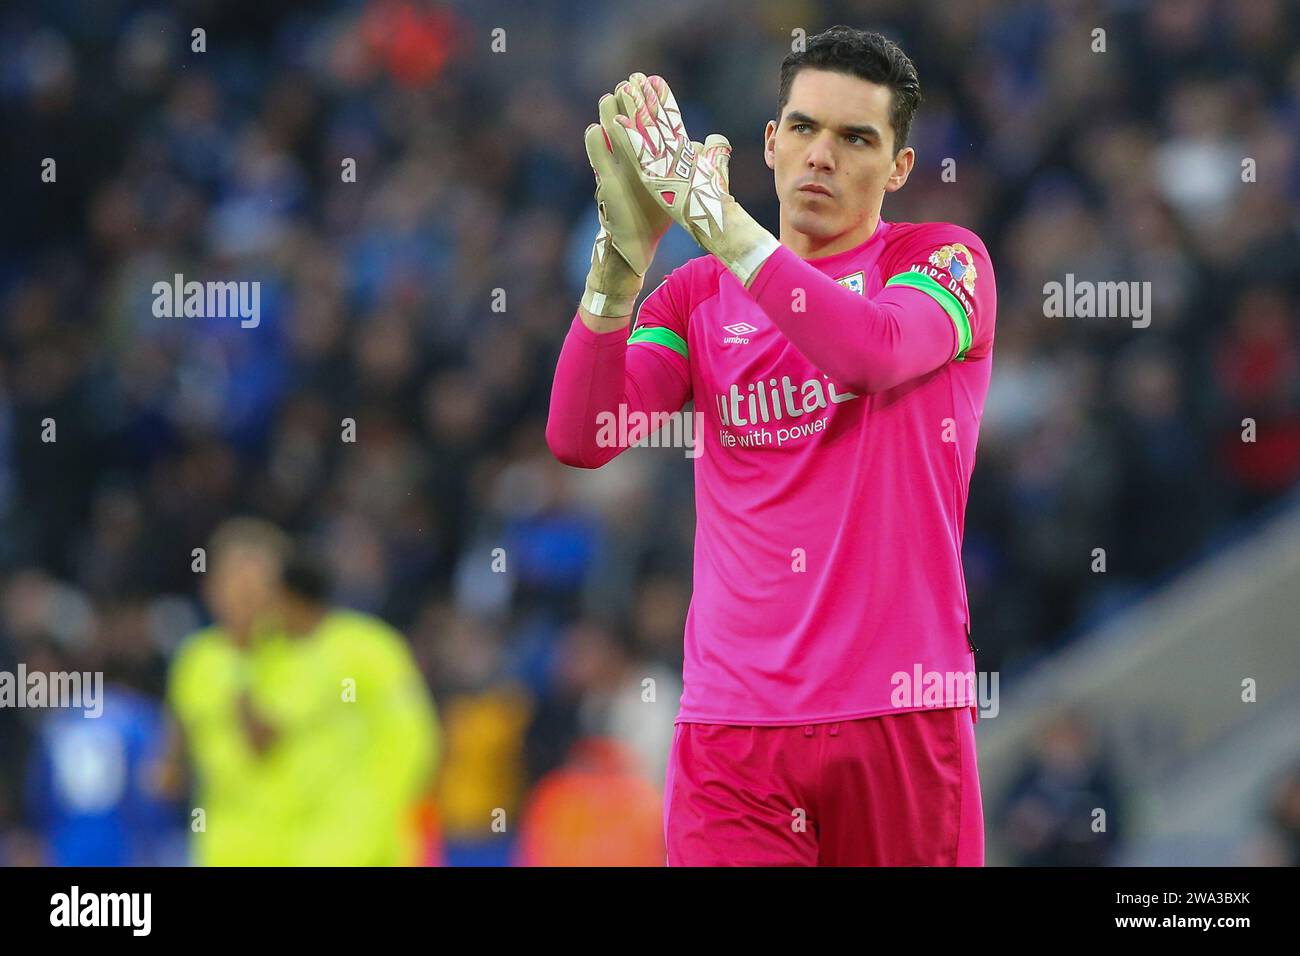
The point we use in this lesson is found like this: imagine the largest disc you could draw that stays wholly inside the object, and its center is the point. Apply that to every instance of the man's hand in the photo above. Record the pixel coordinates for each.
(687, 181)
(631, 223)
(261, 735)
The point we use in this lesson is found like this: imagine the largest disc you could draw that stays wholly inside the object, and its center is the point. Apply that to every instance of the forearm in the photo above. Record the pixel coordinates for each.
(863, 344)
(595, 375)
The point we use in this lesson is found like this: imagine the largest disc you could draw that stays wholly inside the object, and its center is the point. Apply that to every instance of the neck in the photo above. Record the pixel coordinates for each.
(240, 634)
(816, 247)
(307, 622)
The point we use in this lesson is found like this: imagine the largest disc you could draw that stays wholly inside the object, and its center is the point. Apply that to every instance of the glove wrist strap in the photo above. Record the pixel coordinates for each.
(608, 306)
(743, 245)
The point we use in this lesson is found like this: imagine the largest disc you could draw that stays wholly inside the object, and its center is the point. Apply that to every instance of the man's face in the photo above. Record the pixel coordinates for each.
(241, 586)
(834, 132)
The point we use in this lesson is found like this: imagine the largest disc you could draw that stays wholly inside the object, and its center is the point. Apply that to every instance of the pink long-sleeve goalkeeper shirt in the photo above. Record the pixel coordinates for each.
(842, 399)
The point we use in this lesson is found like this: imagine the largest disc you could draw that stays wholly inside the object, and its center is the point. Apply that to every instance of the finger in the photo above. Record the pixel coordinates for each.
(638, 81)
(608, 107)
(638, 124)
(636, 144)
(716, 152)
(665, 104)
(654, 104)
(608, 120)
(624, 101)
(718, 148)
(650, 90)
(636, 96)
(659, 116)
(598, 153)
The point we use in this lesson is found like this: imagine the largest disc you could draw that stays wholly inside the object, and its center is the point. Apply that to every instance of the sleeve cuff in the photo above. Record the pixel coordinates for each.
(615, 338)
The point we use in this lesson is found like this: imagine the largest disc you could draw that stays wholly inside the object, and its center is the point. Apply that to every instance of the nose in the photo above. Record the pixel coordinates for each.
(820, 155)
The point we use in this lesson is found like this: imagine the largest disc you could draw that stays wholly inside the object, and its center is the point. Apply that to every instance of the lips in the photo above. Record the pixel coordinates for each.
(816, 188)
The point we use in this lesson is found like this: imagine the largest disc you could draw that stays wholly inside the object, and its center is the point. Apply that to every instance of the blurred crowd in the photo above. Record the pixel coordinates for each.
(388, 410)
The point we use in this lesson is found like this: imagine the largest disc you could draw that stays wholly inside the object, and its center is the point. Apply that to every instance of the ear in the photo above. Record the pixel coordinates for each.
(769, 144)
(903, 163)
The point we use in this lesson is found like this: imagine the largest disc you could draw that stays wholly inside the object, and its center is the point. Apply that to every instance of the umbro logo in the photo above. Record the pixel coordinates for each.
(740, 332)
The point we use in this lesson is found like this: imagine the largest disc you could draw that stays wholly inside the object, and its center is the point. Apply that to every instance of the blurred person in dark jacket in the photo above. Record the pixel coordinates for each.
(1051, 815)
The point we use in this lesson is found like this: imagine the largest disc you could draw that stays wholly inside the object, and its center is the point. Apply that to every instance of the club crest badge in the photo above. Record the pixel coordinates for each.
(854, 283)
(959, 263)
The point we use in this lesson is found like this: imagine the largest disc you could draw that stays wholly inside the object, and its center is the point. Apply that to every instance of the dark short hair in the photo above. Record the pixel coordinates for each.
(860, 53)
(306, 576)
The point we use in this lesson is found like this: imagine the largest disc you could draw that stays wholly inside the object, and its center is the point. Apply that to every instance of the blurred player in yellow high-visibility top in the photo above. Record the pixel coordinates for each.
(311, 731)
(359, 738)
(234, 821)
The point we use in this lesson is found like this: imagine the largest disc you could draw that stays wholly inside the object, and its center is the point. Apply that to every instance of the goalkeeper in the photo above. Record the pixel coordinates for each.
(828, 709)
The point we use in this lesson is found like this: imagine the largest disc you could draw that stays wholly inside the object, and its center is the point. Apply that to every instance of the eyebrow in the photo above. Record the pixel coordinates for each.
(867, 130)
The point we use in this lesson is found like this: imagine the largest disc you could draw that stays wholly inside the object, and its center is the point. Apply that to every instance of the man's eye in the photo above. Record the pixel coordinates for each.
(799, 126)
(855, 136)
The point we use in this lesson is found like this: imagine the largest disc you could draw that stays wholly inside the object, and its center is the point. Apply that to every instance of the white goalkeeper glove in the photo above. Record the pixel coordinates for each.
(688, 182)
(631, 223)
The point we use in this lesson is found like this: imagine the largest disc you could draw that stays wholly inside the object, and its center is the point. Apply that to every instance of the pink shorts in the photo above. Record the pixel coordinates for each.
(897, 790)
